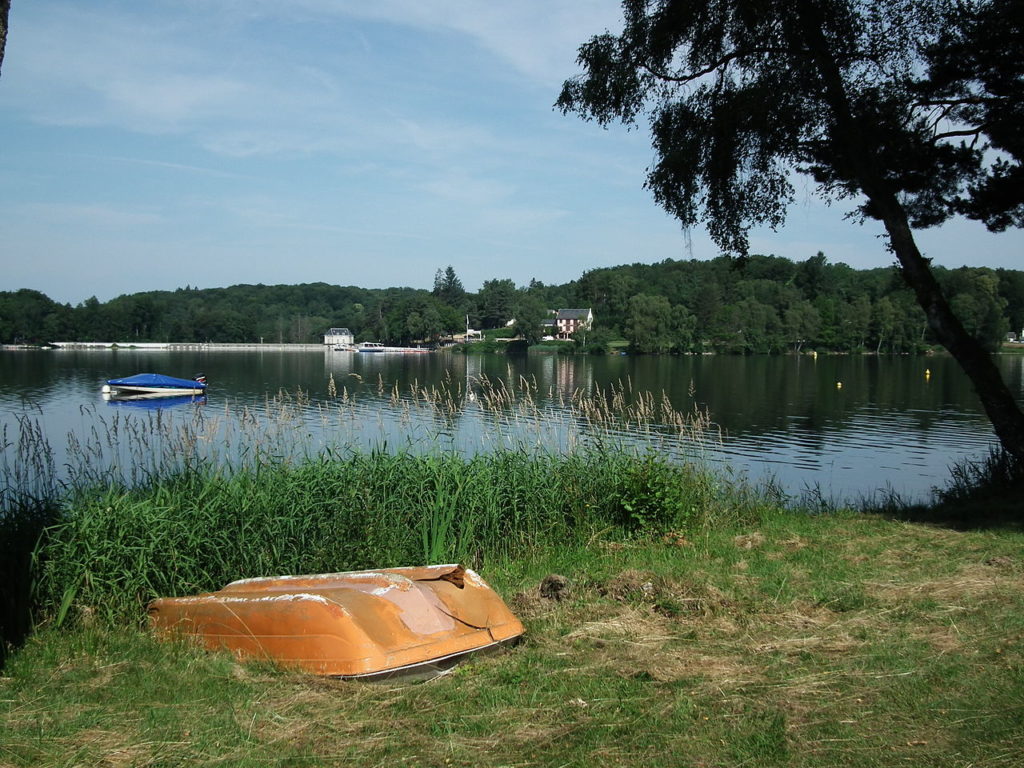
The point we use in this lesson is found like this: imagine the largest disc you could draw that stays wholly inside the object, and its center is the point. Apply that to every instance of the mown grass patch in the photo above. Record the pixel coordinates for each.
(832, 640)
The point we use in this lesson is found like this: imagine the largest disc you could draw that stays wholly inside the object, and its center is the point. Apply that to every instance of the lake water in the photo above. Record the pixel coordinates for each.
(844, 427)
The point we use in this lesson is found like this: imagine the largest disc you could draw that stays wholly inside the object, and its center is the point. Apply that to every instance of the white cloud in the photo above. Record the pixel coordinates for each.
(458, 186)
(99, 67)
(217, 74)
(85, 219)
(539, 38)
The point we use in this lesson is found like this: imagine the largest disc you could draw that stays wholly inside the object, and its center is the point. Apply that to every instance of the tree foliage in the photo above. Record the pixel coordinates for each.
(976, 85)
(448, 288)
(909, 109)
(741, 94)
(496, 302)
(530, 313)
(241, 313)
(5, 9)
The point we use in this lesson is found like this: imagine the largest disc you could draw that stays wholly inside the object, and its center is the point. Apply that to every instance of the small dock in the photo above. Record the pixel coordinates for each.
(187, 345)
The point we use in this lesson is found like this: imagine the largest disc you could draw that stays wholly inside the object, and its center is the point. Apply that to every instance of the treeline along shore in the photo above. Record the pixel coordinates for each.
(763, 304)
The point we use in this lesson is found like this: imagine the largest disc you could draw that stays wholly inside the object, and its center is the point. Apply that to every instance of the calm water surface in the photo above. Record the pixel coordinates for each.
(847, 427)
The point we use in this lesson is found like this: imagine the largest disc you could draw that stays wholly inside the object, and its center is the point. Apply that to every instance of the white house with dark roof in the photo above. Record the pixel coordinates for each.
(339, 337)
(568, 321)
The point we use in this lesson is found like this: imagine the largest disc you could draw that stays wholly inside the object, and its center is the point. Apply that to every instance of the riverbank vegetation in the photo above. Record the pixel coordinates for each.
(766, 304)
(113, 551)
(163, 502)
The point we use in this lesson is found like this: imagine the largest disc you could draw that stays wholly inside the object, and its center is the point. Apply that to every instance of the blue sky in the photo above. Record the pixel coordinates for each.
(152, 145)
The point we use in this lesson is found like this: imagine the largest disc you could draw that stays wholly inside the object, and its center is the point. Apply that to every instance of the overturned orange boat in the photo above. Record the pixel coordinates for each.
(394, 621)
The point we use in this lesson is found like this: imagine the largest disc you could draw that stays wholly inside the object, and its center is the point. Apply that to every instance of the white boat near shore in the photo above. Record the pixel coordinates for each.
(154, 385)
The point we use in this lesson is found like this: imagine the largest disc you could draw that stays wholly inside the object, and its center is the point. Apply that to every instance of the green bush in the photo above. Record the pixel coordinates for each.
(656, 496)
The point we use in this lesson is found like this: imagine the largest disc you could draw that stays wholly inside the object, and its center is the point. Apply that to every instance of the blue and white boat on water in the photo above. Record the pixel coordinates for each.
(154, 385)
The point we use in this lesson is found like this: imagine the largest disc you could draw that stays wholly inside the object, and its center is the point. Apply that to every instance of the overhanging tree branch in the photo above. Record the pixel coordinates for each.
(829, 88)
(975, 132)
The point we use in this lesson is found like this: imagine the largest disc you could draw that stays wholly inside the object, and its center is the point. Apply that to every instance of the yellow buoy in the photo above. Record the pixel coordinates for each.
(927, 373)
(839, 385)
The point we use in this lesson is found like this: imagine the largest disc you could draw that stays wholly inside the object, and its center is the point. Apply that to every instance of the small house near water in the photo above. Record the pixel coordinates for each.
(568, 321)
(338, 337)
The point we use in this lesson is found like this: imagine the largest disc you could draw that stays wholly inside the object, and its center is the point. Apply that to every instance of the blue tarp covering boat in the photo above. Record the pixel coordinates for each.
(155, 384)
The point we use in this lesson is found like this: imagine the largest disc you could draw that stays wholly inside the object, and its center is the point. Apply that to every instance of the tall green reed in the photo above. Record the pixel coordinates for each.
(28, 504)
(119, 548)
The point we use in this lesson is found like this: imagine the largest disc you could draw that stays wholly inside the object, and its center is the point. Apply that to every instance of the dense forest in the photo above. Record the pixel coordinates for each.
(762, 304)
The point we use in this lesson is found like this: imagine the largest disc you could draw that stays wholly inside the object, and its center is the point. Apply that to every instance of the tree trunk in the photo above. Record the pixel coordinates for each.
(999, 404)
(997, 400)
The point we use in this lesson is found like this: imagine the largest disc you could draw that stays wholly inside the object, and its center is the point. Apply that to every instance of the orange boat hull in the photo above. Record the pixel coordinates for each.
(354, 624)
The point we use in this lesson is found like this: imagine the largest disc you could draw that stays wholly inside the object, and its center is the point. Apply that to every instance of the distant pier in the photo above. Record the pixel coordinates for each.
(185, 345)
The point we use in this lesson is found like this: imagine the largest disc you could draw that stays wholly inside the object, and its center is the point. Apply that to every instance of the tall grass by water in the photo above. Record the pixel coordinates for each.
(174, 503)
(28, 504)
(118, 548)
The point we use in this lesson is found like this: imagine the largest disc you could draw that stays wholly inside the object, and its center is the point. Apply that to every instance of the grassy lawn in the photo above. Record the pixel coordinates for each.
(824, 640)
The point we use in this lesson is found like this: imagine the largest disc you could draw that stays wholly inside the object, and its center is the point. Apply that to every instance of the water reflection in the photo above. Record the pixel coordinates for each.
(153, 402)
(846, 426)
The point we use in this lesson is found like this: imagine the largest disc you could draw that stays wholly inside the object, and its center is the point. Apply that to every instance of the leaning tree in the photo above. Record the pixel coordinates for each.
(911, 110)
(5, 10)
